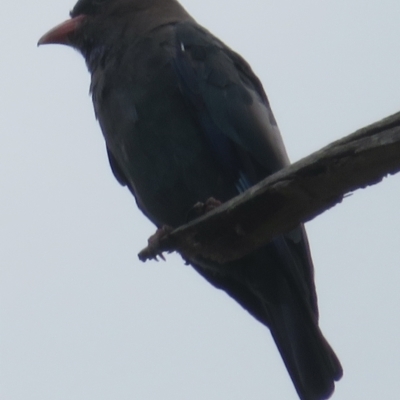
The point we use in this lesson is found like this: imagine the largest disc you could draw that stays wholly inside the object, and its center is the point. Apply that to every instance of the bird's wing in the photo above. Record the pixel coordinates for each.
(229, 103)
(115, 168)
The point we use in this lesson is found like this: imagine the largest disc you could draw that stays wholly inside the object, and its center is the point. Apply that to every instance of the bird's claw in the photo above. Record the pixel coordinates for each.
(153, 249)
(200, 208)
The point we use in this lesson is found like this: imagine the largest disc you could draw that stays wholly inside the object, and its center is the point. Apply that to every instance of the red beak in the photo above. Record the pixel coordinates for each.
(61, 33)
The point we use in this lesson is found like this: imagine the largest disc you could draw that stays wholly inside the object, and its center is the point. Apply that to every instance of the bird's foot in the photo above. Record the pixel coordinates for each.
(153, 249)
(200, 208)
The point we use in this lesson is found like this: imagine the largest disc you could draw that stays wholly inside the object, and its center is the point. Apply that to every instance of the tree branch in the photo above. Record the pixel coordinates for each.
(295, 194)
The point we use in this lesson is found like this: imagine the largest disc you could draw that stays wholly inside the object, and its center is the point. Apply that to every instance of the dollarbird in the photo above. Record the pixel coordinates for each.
(185, 119)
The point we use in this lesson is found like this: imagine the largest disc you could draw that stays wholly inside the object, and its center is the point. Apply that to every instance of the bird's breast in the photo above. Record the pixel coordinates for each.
(157, 142)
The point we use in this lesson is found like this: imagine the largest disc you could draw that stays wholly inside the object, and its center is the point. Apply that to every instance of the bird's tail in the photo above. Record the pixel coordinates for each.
(309, 359)
(275, 287)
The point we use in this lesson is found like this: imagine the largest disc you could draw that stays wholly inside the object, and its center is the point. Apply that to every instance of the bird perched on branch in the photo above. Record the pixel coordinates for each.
(185, 119)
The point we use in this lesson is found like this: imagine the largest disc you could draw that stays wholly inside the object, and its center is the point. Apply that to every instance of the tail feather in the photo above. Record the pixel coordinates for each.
(276, 286)
(310, 361)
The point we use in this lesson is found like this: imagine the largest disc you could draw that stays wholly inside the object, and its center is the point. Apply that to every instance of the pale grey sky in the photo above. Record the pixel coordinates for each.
(81, 318)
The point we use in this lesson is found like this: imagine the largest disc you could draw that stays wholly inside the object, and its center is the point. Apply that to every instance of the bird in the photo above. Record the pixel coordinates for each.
(185, 119)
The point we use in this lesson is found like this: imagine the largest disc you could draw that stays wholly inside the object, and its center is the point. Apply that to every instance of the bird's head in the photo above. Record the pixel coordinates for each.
(94, 22)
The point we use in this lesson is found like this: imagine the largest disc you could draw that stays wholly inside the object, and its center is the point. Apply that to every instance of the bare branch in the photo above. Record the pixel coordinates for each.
(295, 194)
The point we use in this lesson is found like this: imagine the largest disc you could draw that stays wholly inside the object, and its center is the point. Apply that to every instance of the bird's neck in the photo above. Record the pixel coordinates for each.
(123, 30)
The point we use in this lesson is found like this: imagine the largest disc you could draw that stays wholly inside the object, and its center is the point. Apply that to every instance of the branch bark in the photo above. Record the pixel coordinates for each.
(293, 195)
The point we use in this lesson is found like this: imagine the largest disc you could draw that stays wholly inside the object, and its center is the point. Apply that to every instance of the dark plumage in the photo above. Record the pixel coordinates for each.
(185, 119)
